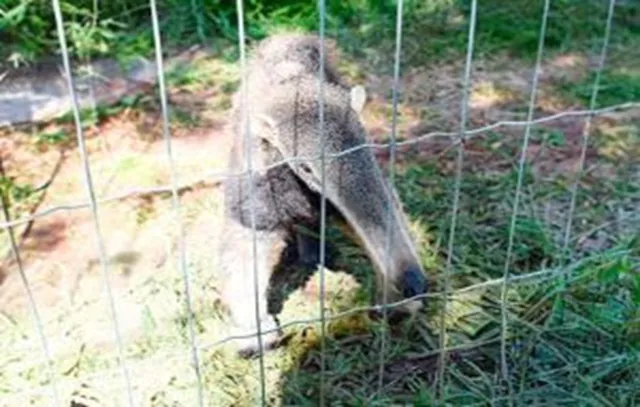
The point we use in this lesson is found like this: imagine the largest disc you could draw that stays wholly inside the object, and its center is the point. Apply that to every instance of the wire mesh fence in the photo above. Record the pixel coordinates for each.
(504, 377)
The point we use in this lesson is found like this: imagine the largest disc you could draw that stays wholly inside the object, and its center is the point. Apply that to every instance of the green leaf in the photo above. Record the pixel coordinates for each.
(14, 16)
(611, 274)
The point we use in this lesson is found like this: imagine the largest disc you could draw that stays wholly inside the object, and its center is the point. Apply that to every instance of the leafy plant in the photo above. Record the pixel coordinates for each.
(52, 138)
(122, 27)
(14, 191)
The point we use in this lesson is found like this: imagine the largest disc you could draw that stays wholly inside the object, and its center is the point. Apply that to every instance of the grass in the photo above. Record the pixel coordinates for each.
(615, 88)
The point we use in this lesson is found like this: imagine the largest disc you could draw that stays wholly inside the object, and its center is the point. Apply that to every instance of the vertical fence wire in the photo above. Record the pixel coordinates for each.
(587, 128)
(37, 320)
(175, 199)
(586, 131)
(392, 180)
(91, 194)
(322, 11)
(504, 367)
(249, 162)
(464, 113)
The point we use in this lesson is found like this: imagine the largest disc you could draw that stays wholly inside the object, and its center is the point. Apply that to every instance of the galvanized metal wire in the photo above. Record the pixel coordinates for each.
(518, 190)
(221, 175)
(175, 199)
(464, 112)
(323, 200)
(392, 181)
(587, 125)
(37, 319)
(504, 367)
(248, 139)
(91, 195)
(534, 278)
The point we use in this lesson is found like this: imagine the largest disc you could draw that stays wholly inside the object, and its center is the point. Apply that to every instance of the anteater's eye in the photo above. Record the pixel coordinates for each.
(305, 168)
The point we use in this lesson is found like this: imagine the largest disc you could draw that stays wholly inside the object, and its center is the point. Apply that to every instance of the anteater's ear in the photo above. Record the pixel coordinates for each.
(358, 98)
(263, 127)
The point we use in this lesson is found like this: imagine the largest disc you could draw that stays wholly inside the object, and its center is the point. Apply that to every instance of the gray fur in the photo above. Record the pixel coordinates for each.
(282, 108)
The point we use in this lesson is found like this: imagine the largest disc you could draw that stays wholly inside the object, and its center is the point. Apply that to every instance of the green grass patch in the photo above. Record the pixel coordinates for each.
(433, 30)
(558, 334)
(615, 88)
(556, 341)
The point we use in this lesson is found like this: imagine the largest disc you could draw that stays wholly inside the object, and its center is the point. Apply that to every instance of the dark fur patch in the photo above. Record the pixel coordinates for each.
(280, 200)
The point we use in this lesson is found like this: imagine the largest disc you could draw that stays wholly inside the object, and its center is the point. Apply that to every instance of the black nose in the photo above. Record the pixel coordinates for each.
(413, 282)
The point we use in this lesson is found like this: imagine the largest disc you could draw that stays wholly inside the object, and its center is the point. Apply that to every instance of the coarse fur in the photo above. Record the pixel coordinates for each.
(281, 105)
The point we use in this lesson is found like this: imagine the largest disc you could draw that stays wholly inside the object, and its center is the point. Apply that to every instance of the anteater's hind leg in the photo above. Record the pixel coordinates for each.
(239, 291)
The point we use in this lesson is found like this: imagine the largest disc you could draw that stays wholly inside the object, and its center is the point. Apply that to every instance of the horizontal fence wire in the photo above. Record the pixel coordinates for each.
(533, 278)
(525, 277)
(219, 176)
(33, 307)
